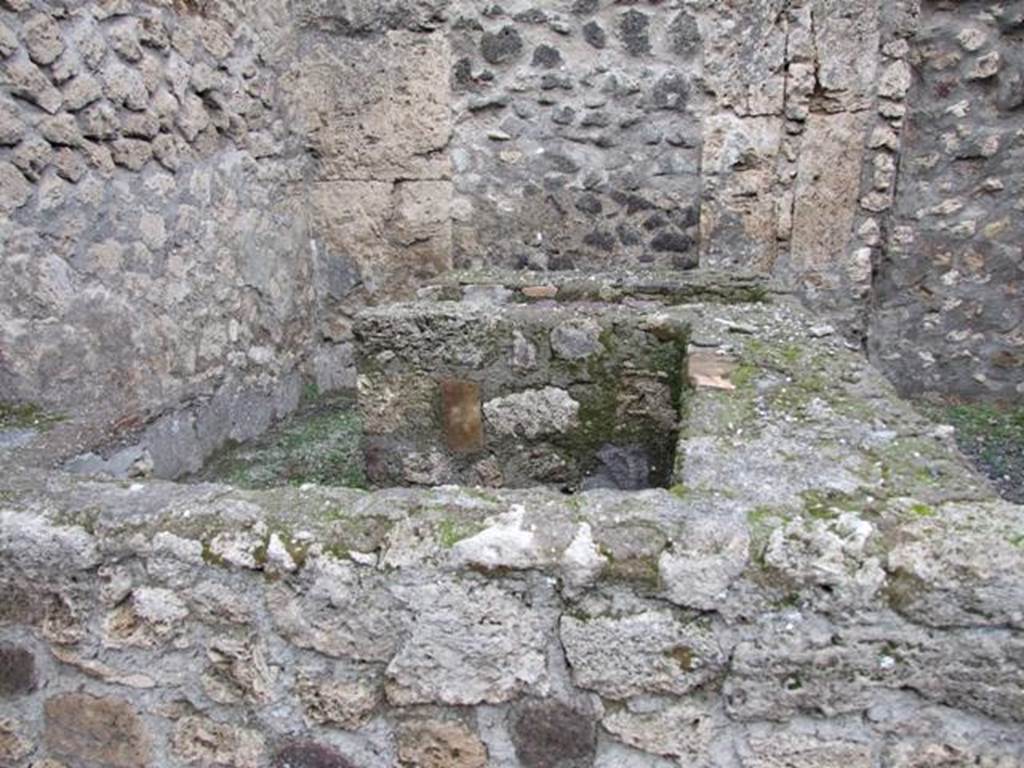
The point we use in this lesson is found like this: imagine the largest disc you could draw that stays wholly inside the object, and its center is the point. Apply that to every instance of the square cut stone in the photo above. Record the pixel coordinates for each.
(463, 418)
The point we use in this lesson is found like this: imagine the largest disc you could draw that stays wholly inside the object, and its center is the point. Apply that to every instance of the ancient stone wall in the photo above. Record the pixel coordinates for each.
(152, 247)
(764, 135)
(577, 142)
(513, 396)
(194, 193)
(198, 196)
(590, 134)
(949, 304)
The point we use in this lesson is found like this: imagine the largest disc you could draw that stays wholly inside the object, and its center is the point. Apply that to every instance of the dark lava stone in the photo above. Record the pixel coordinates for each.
(462, 74)
(594, 34)
(531, 16)
(672, 242)
(17, 671)
(601, 241)
(657, 221)
(584, 7)
(589, 204)
(501, 47)
(547, 57)
(308, 754)
(560, 163)
(686, 260)
(671, 92)
(634, 31)
(687, 217)
(684, 35)
(628, 235)
(564, 116)
(549, 734)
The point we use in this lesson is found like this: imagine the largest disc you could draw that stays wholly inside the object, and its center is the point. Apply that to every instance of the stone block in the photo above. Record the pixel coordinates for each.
(394, 124)
(309, 754)
(646, 653)
(468, 645)
(96, 732)
(17, 671)
(14, 746)
(202, 741)
(436, 744)
(827, 189)
(380, 238)
(552, 733)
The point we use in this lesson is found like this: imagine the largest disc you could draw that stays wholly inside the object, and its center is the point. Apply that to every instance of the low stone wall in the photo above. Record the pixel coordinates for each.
(827, 585)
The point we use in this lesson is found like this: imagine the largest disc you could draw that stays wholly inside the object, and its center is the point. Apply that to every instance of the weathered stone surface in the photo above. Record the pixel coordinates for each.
(830, 554)
(650, 652)
(395, 124)
(340, 613)
(96, 731)
(506, 544)
(12, 129)
(239, 671)
(104, 672)
(42, 39)
(577, 340)
(943, 321)
(150, 617)
(208, 742)
(308, 754)
(952, 591)
(698, 571)
(827, 189)
(437, 744)
(14, 746)
(502, 46)
(82, 65)
(468, 645)
(605, 420)
(347, 704)
(806, 752)
(324, 156)
(550, 733)
(381, 237)
(683, 731)
(8, 41)
(582, 561)
(407, 604)
(739, 214)
(16, 189)
(533, 413)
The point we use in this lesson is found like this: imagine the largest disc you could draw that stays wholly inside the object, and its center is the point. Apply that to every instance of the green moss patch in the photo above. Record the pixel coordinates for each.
(451, 532)
(319, 444)
(993, 438)
(26, 416)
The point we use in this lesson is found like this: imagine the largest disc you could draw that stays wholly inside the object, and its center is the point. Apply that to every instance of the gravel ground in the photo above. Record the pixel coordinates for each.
(992, 437)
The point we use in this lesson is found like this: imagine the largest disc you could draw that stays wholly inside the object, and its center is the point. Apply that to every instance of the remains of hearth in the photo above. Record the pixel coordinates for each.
(576, 396)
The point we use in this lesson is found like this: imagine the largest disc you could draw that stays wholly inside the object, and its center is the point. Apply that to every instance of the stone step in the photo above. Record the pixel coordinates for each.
(667, 287)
